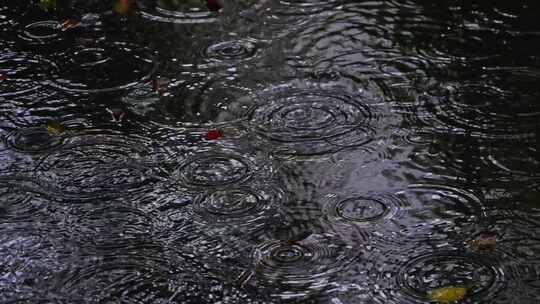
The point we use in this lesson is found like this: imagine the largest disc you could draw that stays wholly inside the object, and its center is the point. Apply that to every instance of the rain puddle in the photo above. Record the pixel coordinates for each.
(268, 151)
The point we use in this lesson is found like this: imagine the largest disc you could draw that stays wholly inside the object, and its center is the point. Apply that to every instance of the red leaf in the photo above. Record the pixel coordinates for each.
(214, 5)
(213, 134)
(160, 85)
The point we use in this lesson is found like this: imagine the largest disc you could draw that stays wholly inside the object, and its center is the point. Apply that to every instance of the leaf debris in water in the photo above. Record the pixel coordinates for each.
(49, 5)
(123, 7)
(55, 128)
(447, 294)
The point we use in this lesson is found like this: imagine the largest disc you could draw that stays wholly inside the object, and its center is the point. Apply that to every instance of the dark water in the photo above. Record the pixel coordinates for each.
(282, 151)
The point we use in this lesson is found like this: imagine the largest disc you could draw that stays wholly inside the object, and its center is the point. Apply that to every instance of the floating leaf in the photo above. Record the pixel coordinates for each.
(117, 114)
(485, 242)
(123, 7)
(213, 134)
(160, 84)
(3, 77)
(49, 5)
(55, 128)
(447, 294)
(215, 5)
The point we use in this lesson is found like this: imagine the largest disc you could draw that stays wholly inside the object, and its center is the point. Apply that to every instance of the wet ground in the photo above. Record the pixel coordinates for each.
(279, 151)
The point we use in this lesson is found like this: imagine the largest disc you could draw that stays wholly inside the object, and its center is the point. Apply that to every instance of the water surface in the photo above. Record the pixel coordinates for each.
(276, 152)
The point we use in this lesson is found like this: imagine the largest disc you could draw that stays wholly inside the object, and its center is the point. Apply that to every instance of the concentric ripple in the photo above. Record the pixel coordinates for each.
(312, 122)
(231, 51)
(23, 73)
(194, 11)
(496, 110)
(512, 162)
(481, 277)
(211, 102)
(306, 7)
(363, 211)
(420, 213)
(216, 169)
(114, 227)
(42, 32)
(311, 266)
(531, 281)
(21, 199)
(431, 212)
(242, 208)
(142, 278)
(99, 169)
(148, 276)
(30, 263)
(103, 67)
(33, 140)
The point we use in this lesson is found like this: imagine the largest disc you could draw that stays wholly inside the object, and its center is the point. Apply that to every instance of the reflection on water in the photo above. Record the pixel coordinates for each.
(269, 152)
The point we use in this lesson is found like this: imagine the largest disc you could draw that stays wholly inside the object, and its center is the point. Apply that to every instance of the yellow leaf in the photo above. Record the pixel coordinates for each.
(447, 294)
(55, 128)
